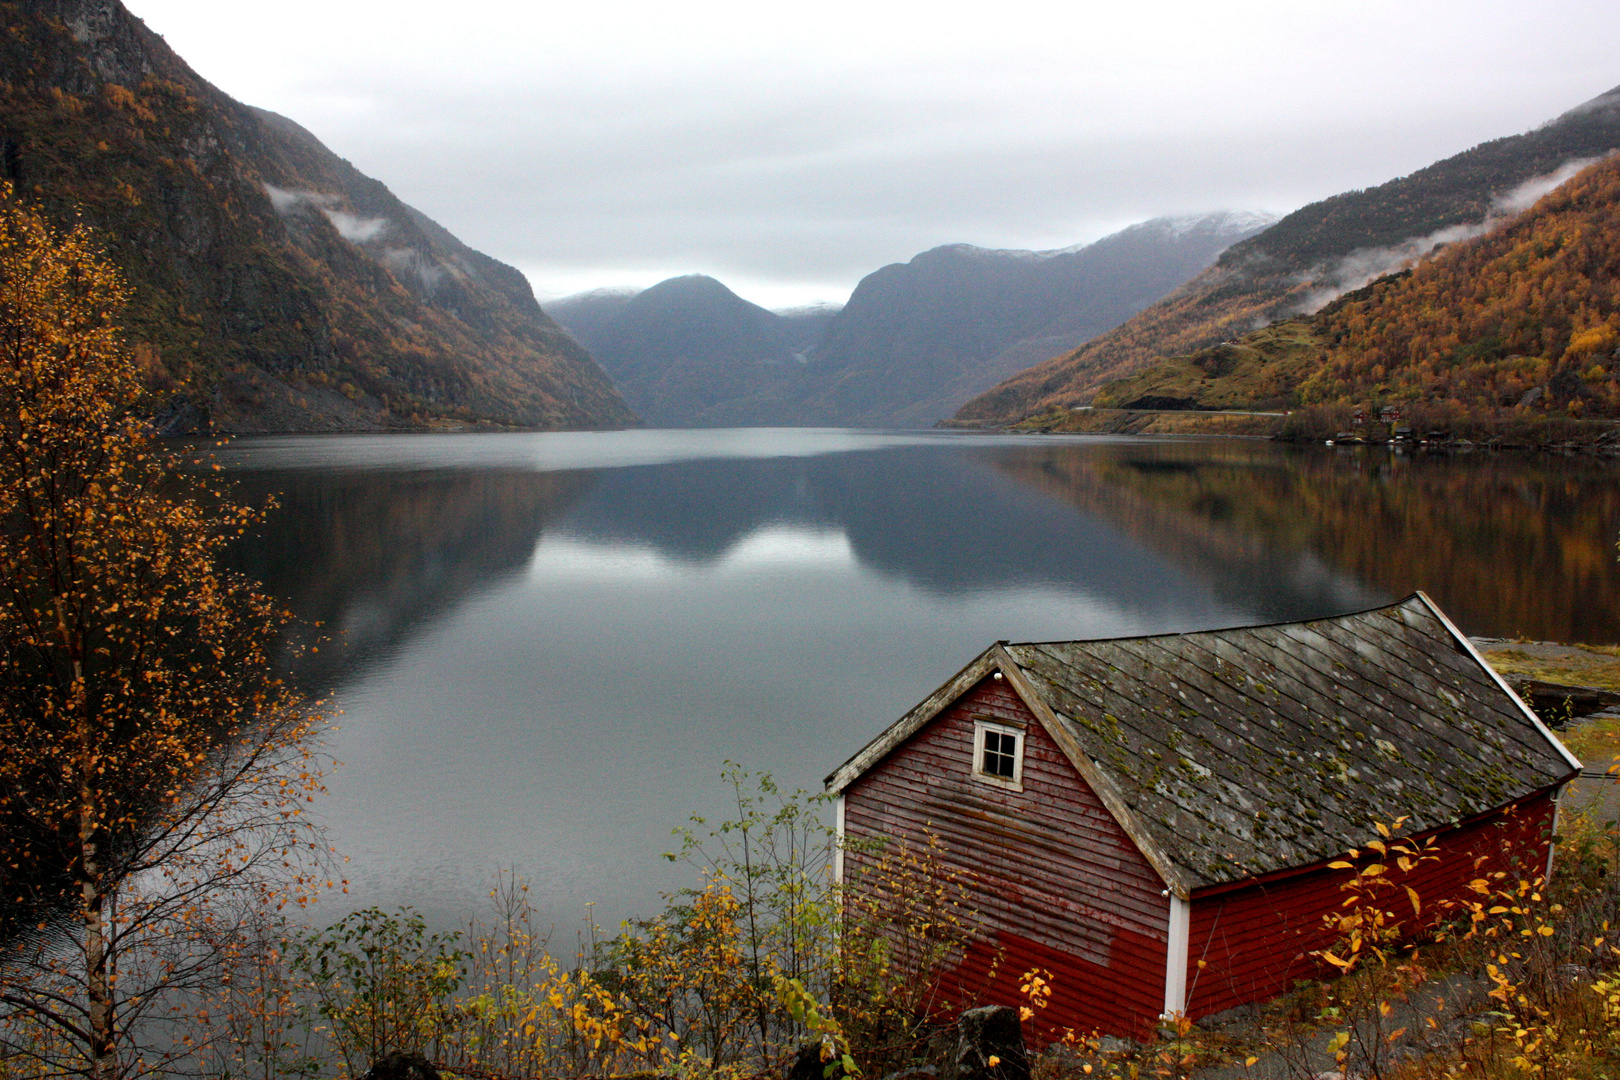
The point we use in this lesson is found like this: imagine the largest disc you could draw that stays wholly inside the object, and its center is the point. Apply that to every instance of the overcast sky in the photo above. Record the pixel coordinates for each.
(790, 149)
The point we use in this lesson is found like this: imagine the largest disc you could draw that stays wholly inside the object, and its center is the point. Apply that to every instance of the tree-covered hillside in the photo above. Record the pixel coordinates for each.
(1525, 317)
(1524, 320)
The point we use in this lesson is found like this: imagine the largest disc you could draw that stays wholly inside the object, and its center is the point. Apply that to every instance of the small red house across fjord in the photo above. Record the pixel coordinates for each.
(1152, 818)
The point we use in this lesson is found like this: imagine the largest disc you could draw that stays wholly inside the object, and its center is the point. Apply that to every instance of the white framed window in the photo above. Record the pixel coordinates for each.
(998, 754)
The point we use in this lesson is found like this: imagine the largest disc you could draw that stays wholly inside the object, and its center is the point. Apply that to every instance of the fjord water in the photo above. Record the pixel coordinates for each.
(545, 646)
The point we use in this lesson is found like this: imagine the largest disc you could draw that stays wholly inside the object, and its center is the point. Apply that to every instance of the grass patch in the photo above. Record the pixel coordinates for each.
(1260, 371)
(1595, 742)
(1573, 665)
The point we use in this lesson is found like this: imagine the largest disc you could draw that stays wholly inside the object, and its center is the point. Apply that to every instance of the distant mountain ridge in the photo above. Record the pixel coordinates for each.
(1308, 257)
(915, 340)
(275, 286)
(688, 351)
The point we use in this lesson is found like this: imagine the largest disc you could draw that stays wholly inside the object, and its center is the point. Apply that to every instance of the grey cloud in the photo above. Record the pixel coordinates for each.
(820, 145)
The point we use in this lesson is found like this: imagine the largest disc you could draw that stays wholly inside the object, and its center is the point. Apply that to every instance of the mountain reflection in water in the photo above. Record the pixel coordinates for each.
(545, 645)
(364, 558)
(1510, 545)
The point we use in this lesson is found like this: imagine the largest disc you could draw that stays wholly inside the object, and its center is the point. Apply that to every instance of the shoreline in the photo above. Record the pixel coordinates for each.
(1600, 438)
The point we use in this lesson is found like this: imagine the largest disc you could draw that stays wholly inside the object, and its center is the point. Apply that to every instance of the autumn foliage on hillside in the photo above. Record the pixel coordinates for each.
(1513, 336)
(1320, 249)
(1527, 317)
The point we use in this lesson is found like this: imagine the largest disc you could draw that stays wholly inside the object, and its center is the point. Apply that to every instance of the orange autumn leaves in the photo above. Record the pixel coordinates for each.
(1535, 304)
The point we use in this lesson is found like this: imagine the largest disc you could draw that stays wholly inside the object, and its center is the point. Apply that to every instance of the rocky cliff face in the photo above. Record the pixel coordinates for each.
(277, 288)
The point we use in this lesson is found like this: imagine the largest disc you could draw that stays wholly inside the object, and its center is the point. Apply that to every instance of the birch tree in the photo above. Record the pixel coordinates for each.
(154, 772)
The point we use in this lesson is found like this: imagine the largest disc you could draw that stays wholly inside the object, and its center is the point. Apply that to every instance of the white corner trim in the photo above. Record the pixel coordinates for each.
(838, 840)
(1462, 639)
(1552, 841)
(1175, 957)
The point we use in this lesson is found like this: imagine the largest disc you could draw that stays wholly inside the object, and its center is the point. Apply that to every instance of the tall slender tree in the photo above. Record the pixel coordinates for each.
(154, 771)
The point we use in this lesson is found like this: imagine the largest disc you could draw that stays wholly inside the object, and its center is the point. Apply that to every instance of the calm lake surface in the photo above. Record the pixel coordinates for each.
(544, 646)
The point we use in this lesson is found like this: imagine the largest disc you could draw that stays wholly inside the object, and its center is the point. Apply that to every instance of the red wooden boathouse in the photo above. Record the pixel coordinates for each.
(1152, 818)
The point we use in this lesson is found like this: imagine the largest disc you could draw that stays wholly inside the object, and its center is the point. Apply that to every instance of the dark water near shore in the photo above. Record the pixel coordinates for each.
(546, 645)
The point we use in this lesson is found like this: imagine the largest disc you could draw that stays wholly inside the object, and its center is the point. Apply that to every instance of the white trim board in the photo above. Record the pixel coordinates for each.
(838, 840)
(1478, 658)
(1175, 957)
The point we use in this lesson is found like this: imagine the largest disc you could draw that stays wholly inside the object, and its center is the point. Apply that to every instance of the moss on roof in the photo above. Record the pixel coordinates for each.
(1250, 750)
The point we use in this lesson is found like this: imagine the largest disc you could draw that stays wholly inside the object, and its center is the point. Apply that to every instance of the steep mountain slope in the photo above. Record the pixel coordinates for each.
(917, 339)
(590, 316)
(689, 352)
(1316, 253)
(1522, 321)
(276, 287)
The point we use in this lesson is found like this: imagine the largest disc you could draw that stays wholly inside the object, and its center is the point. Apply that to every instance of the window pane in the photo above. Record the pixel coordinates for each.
(1000, 754)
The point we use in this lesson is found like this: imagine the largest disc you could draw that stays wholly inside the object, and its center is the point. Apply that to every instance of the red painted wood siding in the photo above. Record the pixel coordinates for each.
(1256, 941)
(1056, 883)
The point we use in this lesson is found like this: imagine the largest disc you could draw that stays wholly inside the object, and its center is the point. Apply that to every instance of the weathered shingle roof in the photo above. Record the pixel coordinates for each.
(1234, 753)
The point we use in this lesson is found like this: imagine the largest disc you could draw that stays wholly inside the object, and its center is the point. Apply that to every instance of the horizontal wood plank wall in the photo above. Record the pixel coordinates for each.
(1055, 882)
(1256, 941)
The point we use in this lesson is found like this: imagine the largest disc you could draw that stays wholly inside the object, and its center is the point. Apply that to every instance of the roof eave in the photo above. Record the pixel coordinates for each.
(912, 722)
(1226, 885)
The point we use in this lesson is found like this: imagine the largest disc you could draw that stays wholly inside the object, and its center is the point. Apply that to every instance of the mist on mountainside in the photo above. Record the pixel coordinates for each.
(1362, 266)
(1507, 334)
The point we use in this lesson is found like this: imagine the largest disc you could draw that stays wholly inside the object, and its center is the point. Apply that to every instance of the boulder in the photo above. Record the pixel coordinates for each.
(915, 1072)
(399, 1065)
(989, 1046)
(808, 1063)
